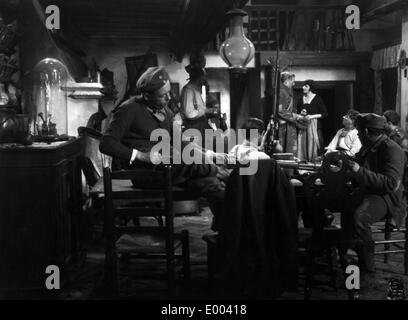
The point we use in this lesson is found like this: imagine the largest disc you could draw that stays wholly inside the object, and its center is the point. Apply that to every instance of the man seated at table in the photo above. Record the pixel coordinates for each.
(378, 171)
(346, 139)
(128, 138)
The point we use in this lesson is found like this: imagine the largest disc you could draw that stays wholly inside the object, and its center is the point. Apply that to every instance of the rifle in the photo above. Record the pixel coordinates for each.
(272, 144)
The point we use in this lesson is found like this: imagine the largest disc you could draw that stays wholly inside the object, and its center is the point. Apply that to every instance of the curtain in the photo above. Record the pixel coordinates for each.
(385, 59)
(378, 92)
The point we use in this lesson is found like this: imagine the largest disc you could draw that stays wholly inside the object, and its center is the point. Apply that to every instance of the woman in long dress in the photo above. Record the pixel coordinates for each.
(311, 109)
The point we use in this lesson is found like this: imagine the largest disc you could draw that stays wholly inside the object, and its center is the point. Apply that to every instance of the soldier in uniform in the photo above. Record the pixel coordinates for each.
(394, 131)
(128, 138)
(287, 117)
(377, 171)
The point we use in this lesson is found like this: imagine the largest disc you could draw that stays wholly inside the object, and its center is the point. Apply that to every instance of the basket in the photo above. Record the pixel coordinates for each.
(8, 39)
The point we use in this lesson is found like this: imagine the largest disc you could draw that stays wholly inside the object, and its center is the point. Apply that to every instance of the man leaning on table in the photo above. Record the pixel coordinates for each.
(128, 138)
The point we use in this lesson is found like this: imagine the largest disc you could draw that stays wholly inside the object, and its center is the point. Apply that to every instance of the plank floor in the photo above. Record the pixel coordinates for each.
(85, 281)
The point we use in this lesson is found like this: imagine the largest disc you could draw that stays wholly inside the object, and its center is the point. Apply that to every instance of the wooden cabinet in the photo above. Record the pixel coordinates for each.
(40, 190)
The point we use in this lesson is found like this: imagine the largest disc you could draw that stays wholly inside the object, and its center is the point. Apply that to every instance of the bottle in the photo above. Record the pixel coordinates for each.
(4, 98)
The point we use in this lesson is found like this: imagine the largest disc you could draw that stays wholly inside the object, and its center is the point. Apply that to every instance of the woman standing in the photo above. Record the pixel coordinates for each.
(311, 110)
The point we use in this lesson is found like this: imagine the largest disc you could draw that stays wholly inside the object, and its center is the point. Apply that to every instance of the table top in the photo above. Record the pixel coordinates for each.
(36, 145)
(15, 155)
(306, 166)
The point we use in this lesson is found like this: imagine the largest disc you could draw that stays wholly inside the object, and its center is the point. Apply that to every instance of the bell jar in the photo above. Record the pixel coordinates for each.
(49, 100)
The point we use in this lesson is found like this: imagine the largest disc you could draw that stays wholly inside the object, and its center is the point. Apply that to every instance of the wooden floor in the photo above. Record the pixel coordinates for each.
(85, 282)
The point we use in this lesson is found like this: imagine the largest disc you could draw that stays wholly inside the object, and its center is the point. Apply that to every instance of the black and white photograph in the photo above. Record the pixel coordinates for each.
(203, 155)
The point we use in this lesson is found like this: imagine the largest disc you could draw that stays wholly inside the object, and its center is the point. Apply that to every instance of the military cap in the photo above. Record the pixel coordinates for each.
(286, 75)
(152, 79)
(373, 121)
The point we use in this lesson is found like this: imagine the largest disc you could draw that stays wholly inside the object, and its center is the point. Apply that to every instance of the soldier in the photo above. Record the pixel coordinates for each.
(378, 171)
(287, 117)
(128, 138)
(394, 131)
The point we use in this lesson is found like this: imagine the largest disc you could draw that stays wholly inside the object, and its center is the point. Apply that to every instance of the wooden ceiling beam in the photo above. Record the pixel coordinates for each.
(376, 9)
(120, 32)
(201, 23)
(112, 36)
(135, 23)
(123, 19)
(117, 8)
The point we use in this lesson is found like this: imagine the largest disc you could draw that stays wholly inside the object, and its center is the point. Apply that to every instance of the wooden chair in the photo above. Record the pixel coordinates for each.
(390, 245)
(211, 240)
(327, 189)
(91, 160)
(155, 242)
(91, 166)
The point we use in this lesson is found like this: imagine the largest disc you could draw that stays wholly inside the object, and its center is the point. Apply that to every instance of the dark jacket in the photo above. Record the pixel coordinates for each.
(258, 233)
(317, 106)
(381, 173)
(131, 127)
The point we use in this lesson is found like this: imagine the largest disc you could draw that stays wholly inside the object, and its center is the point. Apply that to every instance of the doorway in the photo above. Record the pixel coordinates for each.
(338, 98)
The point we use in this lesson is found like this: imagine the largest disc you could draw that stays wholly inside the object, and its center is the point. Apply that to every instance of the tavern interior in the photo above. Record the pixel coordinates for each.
(352, 68)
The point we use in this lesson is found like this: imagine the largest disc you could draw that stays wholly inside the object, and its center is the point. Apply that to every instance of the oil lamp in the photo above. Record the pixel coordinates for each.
(237, 51)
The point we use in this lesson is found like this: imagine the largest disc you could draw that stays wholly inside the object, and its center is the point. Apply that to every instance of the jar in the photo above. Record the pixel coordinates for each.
(49, 100)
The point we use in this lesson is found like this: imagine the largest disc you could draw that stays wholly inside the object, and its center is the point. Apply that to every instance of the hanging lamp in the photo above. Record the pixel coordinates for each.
(237, 50)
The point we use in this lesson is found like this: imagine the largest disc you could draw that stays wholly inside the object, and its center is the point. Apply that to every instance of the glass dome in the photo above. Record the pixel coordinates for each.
(49, 100)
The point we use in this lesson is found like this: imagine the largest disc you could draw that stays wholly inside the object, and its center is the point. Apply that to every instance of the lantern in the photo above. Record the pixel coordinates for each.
(237, 51)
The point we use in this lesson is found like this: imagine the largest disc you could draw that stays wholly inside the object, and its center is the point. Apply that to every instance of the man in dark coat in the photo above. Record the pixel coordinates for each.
(128, 138)
(394, 131)
(378, 171)
(258, 234)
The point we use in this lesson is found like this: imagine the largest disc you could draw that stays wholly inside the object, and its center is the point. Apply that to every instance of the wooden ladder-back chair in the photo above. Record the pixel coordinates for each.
(392, 245)
(122, 199)
(328, 189)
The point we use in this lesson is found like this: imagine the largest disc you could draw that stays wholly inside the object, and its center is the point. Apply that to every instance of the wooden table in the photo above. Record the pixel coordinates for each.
(40, 190)
(302, 166)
